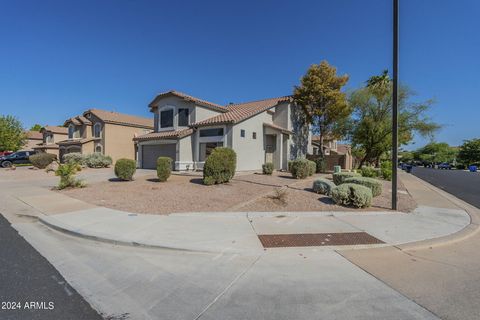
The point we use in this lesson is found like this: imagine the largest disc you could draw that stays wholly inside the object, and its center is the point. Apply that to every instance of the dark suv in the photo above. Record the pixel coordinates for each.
(20, 157)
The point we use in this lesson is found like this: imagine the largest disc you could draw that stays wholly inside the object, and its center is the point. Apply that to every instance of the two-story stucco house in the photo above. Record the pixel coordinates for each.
(32, 139)
(187, 129)
(336, 154)
(51, 136)
(106, 132)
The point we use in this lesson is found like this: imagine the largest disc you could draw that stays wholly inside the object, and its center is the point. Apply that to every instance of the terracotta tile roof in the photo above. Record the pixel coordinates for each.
(83, 120)
(46, 146)
(164, 135)
(274, 126)
(75, 141)
(242, 111)
(34, 135)
(121, 118)
(187, 97)
(56, 129)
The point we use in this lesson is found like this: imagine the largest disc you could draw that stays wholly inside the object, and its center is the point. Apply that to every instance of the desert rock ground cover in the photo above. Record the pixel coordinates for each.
(246, 192)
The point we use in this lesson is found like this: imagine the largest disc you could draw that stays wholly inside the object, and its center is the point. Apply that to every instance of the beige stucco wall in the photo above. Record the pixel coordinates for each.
(118, 141)
(30, 143)
(185, 151)
(250, 152)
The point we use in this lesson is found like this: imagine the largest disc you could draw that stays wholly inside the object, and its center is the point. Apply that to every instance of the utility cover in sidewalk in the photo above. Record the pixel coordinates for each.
(317, 239)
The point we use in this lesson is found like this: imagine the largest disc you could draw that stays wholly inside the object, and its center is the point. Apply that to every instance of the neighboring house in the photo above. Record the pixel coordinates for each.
(106, 132)
(33, 138)
(187, 129)
(51, 135)
(336, 154)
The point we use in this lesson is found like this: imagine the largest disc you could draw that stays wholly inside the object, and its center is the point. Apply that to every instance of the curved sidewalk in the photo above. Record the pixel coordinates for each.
(238, 232)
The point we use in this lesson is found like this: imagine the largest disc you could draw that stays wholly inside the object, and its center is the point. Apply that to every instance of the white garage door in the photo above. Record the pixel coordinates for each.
(150, 153)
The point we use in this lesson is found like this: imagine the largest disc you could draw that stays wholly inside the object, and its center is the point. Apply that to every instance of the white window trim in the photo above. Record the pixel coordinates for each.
(165, 108)
(101, 129)
(96, 146)
(213, 138)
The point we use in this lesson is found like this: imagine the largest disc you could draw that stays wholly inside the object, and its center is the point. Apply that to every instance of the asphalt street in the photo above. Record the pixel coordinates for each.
(30, 287)
(462, 184)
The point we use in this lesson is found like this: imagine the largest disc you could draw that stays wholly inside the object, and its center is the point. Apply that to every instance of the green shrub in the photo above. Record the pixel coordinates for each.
(321, 165)
(312, 167)
(339, 177)
(98, 160)
(125, 169)
(371, 183)
(67, 172)
(42, 160)
(460, 166)
(386, 170)
(323, 186)
(267, 168)
(350, 194)
(300, 168)
(74, 157)
(164, 168)
(220, 166)
(369, 172)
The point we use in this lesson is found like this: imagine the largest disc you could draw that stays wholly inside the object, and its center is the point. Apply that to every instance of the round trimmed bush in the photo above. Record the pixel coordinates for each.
(98, 160)
(339, 177)
(42, 160)
(300, 168)
(125, 169)
(74, 157)
(323, 186)
(370, 172)
(220, 166)
(351, 194)
(164, 168)
(371, 183)
(267, 168)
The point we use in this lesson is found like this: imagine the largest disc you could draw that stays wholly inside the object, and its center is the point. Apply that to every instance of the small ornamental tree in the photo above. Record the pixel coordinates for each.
(322, 100)
(12, 135)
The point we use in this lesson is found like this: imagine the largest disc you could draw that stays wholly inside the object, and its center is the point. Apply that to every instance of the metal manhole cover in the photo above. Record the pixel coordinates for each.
(317, 239)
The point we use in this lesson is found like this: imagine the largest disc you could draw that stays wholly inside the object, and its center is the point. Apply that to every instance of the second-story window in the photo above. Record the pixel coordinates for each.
(71, 131)
(183, 117)
(97, 130)
(49, 139)
(166, 118)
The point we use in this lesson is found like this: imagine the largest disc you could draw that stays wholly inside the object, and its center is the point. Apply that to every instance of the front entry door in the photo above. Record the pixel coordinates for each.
(270, 147)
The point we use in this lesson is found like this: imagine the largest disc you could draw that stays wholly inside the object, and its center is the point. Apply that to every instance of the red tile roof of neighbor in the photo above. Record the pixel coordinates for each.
(121, 118)
(187, 97)
(173, 134)
(343, 148)
(113, 118)
(242, 111)
(56, 129)
(34, 135)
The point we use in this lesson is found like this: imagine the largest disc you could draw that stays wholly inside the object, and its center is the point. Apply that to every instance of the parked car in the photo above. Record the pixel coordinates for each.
(444, 165)
(5, 153)
(20, 157)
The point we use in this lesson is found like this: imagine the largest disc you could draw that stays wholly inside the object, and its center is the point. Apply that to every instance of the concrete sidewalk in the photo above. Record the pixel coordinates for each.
(436, 217)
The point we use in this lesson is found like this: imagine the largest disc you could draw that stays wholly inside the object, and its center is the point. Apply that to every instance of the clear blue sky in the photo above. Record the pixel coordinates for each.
(58, 58)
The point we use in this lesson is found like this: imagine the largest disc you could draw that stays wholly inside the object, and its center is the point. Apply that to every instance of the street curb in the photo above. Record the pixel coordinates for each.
(121, 242)
(470, 230)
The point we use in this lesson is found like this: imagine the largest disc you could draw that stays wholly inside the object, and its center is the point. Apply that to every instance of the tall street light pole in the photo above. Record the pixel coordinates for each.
(395, 106)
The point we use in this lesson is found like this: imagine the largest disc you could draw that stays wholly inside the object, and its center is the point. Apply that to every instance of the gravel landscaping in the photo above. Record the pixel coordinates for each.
(247, 192)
